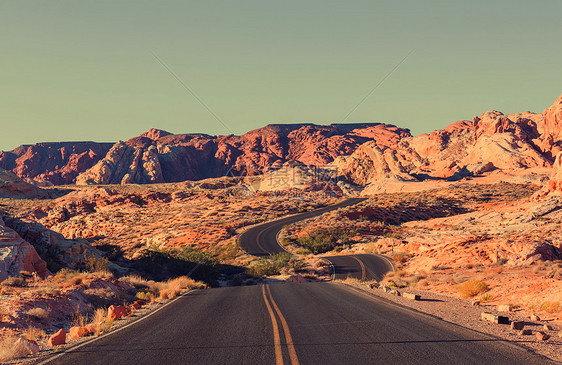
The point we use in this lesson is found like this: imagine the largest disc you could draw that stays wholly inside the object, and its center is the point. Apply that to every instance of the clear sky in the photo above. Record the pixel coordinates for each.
(88, 70)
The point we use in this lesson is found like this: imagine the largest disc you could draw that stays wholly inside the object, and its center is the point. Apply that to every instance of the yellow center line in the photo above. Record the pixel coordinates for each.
(276, 338)
(363, 271)
(258, 241)
(288, 338)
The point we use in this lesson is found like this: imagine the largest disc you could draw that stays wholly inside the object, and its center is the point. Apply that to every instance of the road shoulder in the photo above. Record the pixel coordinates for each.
(463, 313)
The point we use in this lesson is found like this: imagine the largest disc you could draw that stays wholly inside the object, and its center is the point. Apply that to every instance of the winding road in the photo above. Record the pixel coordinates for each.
(310, 323)
(261, 240)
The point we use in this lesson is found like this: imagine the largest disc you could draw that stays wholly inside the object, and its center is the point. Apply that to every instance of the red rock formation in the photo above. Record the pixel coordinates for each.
(493, 140)
(116, 312)
(11, 186)
(57, 339)
(555, 183)
(58, 163)
(18, 255)
(155, 134)
(158, 156)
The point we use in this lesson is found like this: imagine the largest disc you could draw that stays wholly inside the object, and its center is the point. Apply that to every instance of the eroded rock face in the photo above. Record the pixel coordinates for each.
(125, 164)
(158, 156)
(555, 183)
(376, 152)
(11, 186)
(57, 163)
(491, 141)
(18, 255)
(49, 244)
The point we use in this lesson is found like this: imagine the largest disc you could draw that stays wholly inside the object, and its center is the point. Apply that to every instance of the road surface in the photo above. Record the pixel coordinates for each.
(261, 240)
(312, 323)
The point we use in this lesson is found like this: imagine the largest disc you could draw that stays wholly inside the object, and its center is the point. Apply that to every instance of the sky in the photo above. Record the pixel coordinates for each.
(110, 70)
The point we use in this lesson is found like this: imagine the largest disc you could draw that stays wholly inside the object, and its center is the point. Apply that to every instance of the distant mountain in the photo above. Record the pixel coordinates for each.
(56, 163)
(366, 153)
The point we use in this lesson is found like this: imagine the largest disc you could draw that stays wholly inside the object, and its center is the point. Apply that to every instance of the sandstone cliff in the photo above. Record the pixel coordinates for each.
(18, 255)
(11, 186)
(491, 141)
(56, 163)
(158, 156)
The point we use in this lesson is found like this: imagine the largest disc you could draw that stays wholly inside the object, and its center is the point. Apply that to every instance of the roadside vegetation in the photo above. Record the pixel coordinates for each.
(322, 240)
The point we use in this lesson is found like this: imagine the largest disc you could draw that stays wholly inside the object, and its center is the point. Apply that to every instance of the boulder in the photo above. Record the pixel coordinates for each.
(57, 339)
(504, 308)
(541, 336)
(17, 255)
(517, 325)
(411, 296)
(534, 317)
(29, 346)
(525, 332)
(77, 332)
(494, 318)
(116, 312)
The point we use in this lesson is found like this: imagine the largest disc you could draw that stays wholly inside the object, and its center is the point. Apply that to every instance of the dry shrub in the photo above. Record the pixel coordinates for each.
(146, 296)
(38, 313)
(65, 275)
(33, 333)
(9, 350)
(46, 290)
(400, 257)
(101, 321)
(14, 281)
(550, 307)
(171, 288)
(103, 327)
(79, 319)
(77, 280)
(422, 282)
(472, 287)
(136, 281)
(100, 315)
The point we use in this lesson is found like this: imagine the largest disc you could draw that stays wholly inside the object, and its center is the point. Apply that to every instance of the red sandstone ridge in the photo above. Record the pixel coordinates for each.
(11, 186)
(366, 153)
(56, 163)
(158, 156)
(155, 134)
(18, 255)
(492, 141)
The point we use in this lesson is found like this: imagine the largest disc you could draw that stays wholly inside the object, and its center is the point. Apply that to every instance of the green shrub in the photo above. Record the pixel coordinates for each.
(326, 239)
(271, 265)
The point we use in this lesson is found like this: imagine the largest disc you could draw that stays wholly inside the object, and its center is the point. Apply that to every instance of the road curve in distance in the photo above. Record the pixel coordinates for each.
(364, 267)
(261, 240)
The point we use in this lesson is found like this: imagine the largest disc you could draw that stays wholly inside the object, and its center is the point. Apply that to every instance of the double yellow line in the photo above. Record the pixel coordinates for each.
(363, 270)
(276, 337)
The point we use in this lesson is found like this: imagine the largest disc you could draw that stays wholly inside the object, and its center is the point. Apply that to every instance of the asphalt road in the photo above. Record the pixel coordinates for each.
(313, 323)
(261, 240)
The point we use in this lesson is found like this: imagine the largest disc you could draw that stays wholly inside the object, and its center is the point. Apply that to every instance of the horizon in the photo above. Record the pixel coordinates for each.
(107, 72)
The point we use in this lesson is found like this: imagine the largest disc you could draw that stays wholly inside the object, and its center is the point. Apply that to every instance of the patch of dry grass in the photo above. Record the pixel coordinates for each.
(33, 334)
(173, 287)
(472, 287)
(101, 321)
(10, 349)
(38, 313)
(136, 281)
